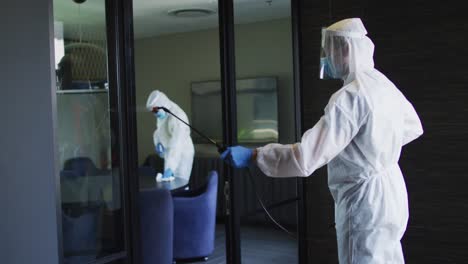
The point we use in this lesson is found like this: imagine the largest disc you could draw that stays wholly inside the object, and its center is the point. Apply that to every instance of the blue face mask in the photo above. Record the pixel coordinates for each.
(326, 69)
(161, 114)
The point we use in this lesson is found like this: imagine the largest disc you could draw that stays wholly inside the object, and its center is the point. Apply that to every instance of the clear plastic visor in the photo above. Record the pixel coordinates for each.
(324, 69)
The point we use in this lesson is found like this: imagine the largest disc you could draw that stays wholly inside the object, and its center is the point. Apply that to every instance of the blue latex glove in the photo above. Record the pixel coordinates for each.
(160, 150)
(167, 173)
(161, 114)
(237, 156)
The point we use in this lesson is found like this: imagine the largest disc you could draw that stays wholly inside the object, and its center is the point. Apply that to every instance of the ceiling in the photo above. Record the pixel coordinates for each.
(151, 17)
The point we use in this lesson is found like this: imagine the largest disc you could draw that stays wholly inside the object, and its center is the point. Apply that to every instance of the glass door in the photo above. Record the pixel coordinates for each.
(93, 185)
(177, 66)
(265, 114)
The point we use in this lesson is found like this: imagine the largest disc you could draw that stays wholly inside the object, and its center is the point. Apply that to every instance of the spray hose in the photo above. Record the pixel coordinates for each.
(221, 149)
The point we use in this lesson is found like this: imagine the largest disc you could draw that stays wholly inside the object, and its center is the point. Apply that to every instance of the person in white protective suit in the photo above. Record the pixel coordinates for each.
(171, 138)
(360, 136)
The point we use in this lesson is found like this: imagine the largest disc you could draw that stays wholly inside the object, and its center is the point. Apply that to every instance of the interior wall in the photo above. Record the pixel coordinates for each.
(28, 194)
(420, 46)
(171, 62)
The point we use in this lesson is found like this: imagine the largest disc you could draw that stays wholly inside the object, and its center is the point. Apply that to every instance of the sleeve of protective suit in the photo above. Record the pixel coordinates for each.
(412, 125)
(178, 131)
(318, 146)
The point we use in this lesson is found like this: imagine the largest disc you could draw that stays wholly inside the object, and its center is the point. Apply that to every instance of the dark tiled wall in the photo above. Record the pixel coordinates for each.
(422, 47)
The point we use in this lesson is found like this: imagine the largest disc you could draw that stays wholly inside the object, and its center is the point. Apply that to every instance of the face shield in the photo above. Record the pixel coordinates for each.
(333, 56)
(325, 71)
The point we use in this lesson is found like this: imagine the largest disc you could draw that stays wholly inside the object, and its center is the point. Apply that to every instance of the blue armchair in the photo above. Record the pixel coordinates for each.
(80, 236)
(156, 225)
(79, 221)
(194, 220)
(83, 166)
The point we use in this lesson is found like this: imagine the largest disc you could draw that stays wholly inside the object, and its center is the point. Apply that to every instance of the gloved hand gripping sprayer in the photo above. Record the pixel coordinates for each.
(221, 149)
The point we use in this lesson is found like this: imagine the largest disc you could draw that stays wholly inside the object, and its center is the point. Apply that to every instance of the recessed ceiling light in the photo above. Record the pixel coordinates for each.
(191, 12)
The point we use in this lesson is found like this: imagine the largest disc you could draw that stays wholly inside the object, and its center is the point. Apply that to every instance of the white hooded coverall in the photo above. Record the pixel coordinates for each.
(173, 135)
(360, 136)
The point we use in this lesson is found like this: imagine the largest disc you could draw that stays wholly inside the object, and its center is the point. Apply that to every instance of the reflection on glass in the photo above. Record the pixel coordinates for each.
(177, 44)
(257, 121)
(80, 45)
(83, 66)
(92, 220)
(263, 47)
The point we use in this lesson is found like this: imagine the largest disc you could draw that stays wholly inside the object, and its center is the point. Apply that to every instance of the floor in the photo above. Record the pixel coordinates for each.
(259, 245)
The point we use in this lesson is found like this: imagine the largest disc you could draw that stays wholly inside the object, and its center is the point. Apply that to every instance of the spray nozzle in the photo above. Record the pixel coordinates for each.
(157, 108)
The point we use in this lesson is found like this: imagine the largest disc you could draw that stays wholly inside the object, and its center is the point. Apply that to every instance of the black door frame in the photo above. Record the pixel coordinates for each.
(299, 121)
(122, 107)
(229, 114)
(126, 77)
(127, 92)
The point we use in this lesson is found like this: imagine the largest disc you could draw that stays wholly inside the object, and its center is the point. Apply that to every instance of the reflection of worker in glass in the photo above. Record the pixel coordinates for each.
(171, 138)
(360, 136)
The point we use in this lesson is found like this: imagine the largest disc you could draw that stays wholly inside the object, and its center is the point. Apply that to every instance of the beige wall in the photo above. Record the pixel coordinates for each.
(171, 63)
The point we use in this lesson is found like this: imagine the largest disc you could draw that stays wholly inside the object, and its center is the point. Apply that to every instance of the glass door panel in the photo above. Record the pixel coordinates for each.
(265, 114)
(88, 150)
(177, 56)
